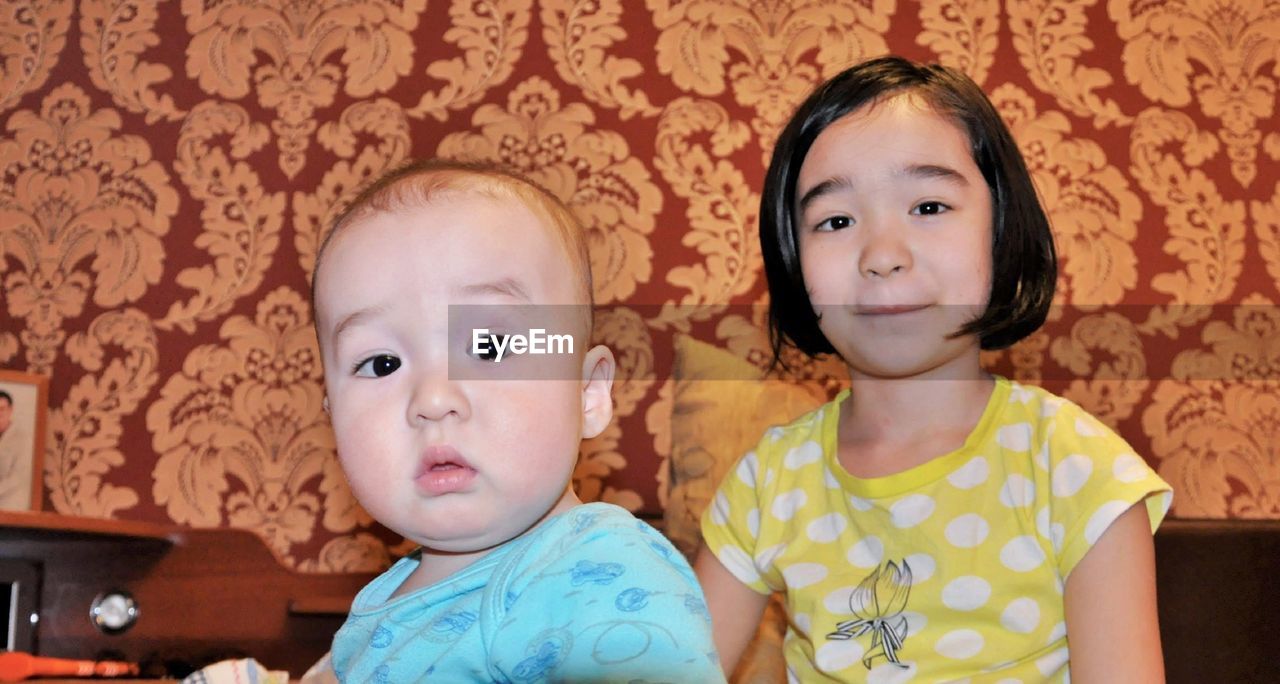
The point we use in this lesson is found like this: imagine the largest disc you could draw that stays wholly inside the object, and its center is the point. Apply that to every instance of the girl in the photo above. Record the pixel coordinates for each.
(934, 522)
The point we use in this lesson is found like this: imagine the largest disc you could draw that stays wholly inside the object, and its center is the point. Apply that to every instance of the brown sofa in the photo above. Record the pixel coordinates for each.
(1218, 584)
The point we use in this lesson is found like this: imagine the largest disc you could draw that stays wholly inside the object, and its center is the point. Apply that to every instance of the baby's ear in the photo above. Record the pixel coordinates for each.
(597, 390)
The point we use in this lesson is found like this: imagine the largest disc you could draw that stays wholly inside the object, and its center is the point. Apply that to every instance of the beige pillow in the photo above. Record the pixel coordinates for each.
(714, 421)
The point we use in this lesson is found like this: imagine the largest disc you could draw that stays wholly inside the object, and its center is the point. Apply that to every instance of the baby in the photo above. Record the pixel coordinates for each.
(469, 451)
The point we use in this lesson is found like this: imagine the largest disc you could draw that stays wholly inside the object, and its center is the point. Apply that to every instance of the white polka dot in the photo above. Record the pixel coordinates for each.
(1042, 522)
(959, 644)
(889, 673)
(720, 509)
(837, 602)
(766, 557)
(1087, 427)
(915, 622)
(1042, 456)
(753, 522)
(775, 433)
(792, 677)
(967, 531)
(1058, 534)
(1017, 492)
(1050, 406)
(804, 574)
(1059, 631)
(922, 567)
(786, 504)
(803, 622)
(912, 510)
(1016, 437)
(1102, 519)
(747, 469)
(966, 593)
(768, 477)
(829, 479)
(737, 562)
(1052, 663)
(803, 455)
(827, 528)
(1071, 474)
(835, 656)
(860, 504)
(970, 475)
(866, 553)
(1022, 615)
(1128, 468)
(1020, 395)
(1022, 554)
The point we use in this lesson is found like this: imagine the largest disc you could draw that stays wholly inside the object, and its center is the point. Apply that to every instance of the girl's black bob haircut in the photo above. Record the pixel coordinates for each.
(1024, 264)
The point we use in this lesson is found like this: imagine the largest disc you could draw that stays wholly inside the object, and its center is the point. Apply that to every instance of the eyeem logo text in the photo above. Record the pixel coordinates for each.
(485, 343)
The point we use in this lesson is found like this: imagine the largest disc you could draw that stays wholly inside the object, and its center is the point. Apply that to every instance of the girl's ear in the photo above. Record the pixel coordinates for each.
(597, 390)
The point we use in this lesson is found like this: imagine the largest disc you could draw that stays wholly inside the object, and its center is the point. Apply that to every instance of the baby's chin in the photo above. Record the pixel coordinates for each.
(474, 542)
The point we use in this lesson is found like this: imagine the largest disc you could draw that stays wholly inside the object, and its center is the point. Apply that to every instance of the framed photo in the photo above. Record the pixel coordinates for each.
(24, 407)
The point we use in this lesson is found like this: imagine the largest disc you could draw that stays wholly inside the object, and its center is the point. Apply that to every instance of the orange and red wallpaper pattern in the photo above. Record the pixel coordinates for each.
(167, 168)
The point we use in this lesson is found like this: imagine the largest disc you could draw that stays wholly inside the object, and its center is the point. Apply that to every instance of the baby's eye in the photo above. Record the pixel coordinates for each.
(487, 348)
(834, 223)
(378, 366)
(930, 208)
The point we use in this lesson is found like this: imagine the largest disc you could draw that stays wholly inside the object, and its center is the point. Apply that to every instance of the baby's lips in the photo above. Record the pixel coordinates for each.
(440, 454)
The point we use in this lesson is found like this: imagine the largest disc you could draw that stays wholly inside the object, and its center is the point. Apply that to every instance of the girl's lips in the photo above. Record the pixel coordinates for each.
(889, 309)
(443, 471)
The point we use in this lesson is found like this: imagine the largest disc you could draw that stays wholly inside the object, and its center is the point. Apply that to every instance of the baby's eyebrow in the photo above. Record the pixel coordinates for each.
(508, 287)
(354, 318)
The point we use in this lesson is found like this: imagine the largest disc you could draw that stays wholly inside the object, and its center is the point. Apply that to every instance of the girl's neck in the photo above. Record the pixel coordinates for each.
(891, 426)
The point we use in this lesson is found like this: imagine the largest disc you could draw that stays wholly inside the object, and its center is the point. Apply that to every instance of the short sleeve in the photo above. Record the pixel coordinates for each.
(617, 604)
(731, 522)
(1094, 477)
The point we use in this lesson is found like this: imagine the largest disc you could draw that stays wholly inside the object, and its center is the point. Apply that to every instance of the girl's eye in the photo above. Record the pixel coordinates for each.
(834, 223)
(488, 351)
(378, 366)
(931, 208)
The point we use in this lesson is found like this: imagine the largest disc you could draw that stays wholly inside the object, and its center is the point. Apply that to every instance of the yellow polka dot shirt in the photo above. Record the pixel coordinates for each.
(952, 570)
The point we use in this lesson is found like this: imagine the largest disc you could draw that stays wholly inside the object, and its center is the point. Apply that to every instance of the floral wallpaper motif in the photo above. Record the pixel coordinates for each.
(167, 171)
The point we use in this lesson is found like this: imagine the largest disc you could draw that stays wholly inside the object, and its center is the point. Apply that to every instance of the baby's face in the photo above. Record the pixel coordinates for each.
(456, 458)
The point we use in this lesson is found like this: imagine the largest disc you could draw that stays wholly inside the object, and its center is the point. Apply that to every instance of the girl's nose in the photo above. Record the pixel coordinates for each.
(885, 254)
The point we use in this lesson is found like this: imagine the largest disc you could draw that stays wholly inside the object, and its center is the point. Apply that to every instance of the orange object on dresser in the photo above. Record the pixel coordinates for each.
(16, 666)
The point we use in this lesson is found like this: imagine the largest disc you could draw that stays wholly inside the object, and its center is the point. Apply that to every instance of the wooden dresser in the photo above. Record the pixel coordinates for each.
(201, 595)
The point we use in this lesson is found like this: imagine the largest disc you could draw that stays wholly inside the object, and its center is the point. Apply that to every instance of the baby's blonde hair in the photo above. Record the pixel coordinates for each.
(418, 183)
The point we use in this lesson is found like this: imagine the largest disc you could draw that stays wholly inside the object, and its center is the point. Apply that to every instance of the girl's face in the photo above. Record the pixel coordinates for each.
(894, 224)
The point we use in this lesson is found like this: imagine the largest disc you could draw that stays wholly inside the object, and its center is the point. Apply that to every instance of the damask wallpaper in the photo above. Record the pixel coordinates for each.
(166, 170)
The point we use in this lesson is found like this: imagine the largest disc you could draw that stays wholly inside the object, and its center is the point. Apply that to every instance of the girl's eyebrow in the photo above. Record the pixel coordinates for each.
(922, 171)
(826, 187)
(938, 171)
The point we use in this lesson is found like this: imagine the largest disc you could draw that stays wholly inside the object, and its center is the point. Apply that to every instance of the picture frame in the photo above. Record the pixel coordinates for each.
(23, 421)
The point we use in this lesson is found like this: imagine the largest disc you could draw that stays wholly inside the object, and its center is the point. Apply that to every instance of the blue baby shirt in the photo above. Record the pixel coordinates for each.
(592, 594)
